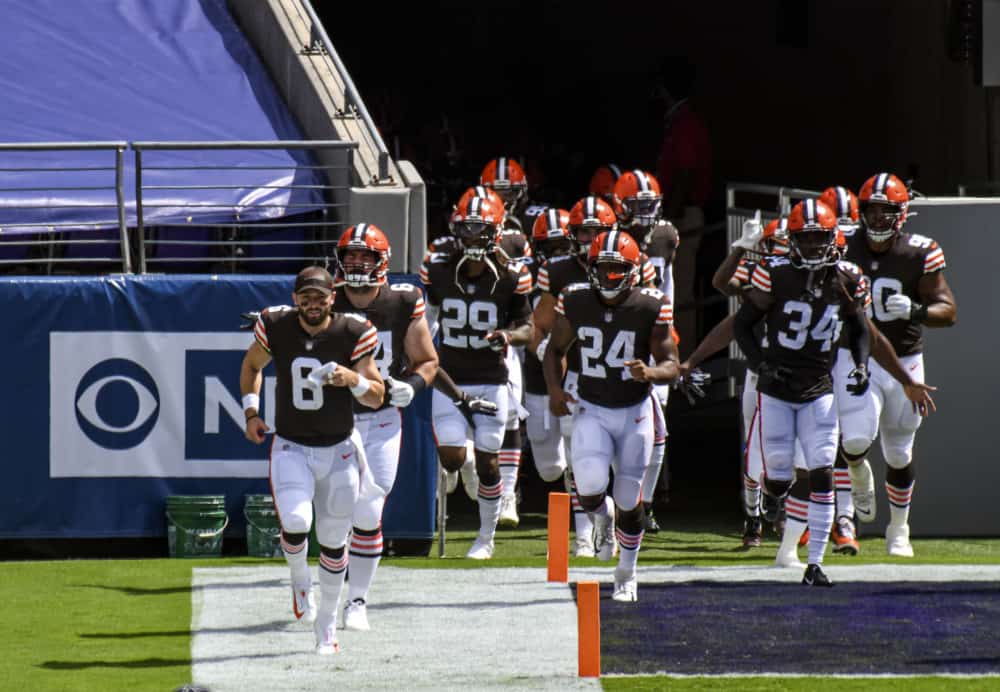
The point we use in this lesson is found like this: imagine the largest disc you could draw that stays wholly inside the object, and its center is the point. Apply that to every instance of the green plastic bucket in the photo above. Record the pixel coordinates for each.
(263, 527)
(195, 524)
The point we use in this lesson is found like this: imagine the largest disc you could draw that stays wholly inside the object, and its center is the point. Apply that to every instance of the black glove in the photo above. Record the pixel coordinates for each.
(498, 341)
(774, 373)
(692, 385)
(860, 378)
(468, 406)
(251, 318)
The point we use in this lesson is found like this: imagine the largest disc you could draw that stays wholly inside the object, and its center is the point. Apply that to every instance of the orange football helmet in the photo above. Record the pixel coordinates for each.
(589, 217)
(550, 233)
(637, 198)
(613, 263)
(602, 182)
(506, 177)
(883, 200)
(774, 237)
(356, 269)
(478, 191)
(475, 224)
(812, 235)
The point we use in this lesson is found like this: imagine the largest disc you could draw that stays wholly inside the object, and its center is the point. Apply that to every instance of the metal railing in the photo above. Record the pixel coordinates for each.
(236, 239)
(48, 245)
(320, 42)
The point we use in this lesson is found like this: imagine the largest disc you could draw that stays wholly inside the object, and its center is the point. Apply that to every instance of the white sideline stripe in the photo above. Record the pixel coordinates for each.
(845, 573)
(452, 629)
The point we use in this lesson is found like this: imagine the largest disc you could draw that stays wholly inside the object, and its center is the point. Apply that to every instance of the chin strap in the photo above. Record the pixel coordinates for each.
(489, 264)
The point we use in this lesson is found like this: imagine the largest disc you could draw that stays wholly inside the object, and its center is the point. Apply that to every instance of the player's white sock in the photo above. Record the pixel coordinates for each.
(751, 496)
(582, 523)
(489, 509)
(331, 580)
(652, 473)
(366, 552)
(796, 522)
(845, 504)
(628, 550)
(821, 510)
(899, 504)
(297, 557)
(510, 461)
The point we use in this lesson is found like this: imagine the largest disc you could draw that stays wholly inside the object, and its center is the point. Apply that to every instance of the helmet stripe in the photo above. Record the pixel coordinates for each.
(641, 179)
(843, 202)
(359, 232)
(481, 191)
(591, 206)
(810, 211)
(553, 218)
(880, 183)
(615, 169)
(611, 242)
(475, 204)
(502, 168)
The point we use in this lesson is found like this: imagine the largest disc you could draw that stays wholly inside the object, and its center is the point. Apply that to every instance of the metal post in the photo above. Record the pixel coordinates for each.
(122, 228)
(140, 231)
(442, 507)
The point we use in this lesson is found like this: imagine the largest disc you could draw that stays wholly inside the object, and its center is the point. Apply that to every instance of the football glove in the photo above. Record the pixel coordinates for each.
(751, 234)
(251, 319)
(860, 378)
(692, 385)
(400, 393)
(899, 306)
(498, 340)
(542, 345)
(470, 406)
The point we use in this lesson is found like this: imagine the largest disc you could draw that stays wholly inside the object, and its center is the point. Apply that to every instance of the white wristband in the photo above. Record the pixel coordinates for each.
(251, 401)
(361, 387)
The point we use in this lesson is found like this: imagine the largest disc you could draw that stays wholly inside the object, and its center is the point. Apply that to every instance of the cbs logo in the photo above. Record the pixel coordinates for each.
(117, 404)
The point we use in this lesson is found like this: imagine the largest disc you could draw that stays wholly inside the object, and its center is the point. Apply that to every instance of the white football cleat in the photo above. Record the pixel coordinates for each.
(897, 541)
(470, 479)
(482, 549)
(584, 546)
(326, 634)
(863, 490)
(788, 557)
(626, 587)
(508, 512)
(303, 602)
(356, 615)
(605, 543)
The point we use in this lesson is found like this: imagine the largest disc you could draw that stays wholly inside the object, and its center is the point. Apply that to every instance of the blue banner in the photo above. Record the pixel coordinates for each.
(124, 390)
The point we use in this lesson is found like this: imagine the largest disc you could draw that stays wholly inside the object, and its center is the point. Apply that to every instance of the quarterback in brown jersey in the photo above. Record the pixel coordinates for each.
(482, 309)
(620, 329)
(323, 360)
(804, 299)
(909, 292)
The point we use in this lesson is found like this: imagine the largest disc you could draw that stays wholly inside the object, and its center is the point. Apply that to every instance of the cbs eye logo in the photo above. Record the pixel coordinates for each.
(117, 403)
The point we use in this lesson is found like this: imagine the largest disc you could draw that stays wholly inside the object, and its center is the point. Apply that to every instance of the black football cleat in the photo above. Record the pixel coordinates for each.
(770, 506)
(814, 576)
(649, 523)
(752, 532)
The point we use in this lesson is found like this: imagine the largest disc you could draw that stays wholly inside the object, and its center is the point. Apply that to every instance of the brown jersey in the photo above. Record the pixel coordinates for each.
(897, 270)
(554, 275)
(803, 325)
(659, 242)
(609, 336)
(318, 416)
(471, 307)
(391, 313)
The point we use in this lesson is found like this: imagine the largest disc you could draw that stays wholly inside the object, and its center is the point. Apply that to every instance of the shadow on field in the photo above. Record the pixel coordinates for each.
(170, 590)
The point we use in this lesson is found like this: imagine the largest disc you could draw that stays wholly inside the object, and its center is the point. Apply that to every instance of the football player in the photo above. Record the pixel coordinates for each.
(550, 239)
(482, 310)
(407, 362)
(324, 361)
(909, 292)
(588, 218)
(602, 182)
(804, 299)
(638, 203)
(619, 328)
(506, 177)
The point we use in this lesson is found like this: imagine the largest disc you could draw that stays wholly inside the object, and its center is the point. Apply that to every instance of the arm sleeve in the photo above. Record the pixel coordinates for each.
(747, 317)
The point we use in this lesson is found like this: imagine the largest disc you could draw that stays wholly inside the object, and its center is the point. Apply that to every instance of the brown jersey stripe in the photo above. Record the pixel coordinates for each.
(761, 279)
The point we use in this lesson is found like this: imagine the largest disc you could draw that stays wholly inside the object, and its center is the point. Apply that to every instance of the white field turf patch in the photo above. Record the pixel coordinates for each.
(499, 628)
(431, 629)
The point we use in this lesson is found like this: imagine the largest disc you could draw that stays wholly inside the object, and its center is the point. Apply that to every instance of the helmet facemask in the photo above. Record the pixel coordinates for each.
(581, 246)
(611, 277)
(555, 247)
(643, 209)
(882, 219)
(359, 266)
(813, 248)
(509, 192)
(475, 237)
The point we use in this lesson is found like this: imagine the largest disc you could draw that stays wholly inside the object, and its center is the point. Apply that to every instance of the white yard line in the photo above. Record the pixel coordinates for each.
(431, 629)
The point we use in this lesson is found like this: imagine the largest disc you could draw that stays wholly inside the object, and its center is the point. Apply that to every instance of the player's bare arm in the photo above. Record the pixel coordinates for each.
(352, 379)
(560, 340)
(254, 362)
(885, 355)
(664, 352)
(722, 280)
(716, 340)
(518, 334)
(754, 308)
(938, 302)
(419, 348)
(542, 319)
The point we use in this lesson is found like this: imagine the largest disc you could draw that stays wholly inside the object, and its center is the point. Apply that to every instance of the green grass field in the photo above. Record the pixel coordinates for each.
(125, 624)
